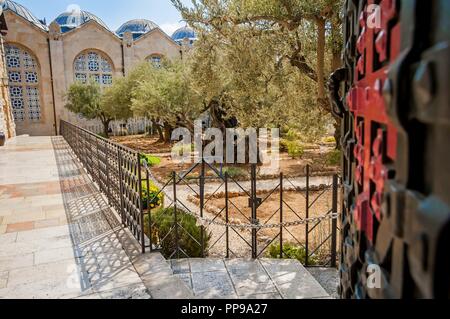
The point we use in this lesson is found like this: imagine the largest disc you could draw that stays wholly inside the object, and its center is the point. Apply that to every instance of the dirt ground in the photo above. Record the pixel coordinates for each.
(314, 155)
(143, 143)
(294, 209)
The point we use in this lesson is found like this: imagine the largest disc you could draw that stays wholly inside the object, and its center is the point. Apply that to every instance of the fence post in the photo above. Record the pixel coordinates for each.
(202, 204)
(307, 216)
(227, 235)
(174, 177)
(141, 210)
(254, 214)
(122, 207)
(334, 222)
(281, 215)
(149, 210)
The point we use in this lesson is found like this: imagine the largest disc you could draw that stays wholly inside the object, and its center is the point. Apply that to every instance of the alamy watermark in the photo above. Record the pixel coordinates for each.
(227, 146)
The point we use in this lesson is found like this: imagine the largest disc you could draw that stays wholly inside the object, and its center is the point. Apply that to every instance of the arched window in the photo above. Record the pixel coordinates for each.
(93, 65)
(23, 76)
(155, 59)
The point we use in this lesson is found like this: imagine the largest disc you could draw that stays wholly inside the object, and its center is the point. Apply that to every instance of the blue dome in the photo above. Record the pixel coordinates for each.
(183, 33)
(23, 12)
(137, 27)
(71, 20)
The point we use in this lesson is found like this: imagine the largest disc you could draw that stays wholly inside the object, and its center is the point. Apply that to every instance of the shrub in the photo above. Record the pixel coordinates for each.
(329, 139)
(150, 159)
(291, 135)
(291, 251)
(154, 195)
(295, 149)
(162, 232)
(333, 158)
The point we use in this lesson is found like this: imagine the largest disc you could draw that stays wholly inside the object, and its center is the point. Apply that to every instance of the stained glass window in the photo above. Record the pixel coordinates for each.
(93, 65)
(23, 75)
(155, 60)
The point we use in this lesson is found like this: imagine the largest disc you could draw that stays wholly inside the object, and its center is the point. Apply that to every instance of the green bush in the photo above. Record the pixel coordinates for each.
(150, 159)
(329, 139)
(295, 149)
(154, 195)
(162, 232)
(333, 158)
(291, 251)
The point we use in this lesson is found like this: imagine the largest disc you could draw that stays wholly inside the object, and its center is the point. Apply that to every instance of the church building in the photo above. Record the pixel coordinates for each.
(42, 61)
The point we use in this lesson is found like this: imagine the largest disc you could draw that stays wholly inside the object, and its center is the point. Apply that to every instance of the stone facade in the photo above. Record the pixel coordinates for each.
(55, 51)
(7, 127)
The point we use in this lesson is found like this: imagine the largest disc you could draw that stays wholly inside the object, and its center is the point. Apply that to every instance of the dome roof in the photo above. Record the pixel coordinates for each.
(184, 33)
(137, 27)
(75, 18)
(23, 12)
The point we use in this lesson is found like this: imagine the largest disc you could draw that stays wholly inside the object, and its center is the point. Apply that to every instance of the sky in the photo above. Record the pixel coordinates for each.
(113, 12)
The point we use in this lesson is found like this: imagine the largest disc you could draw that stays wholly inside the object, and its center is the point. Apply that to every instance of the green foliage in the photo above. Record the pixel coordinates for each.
(264, 61)
(154, 196)
(234, 172)
(291, 251)
(333, 158)
(150, 159)
(162, 232)
(84, 99)
(294, 148)
(168, 94)
(329, 139)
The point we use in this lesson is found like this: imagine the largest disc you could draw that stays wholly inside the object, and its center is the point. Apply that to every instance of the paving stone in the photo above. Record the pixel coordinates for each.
(204, 265)
(9, 238)
(43, 233)
(180, 266)
(274, 295)
(153, 263)
(249, 277)
(3, 279)
(18, 248)
(293, 280)
(186, 278)
(128, 292)
(15, 262)
(213, 284)
(19, 227)
(167, 287)
(54, 255)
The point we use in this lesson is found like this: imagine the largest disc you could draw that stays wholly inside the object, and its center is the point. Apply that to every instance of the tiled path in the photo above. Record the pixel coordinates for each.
(58, 237)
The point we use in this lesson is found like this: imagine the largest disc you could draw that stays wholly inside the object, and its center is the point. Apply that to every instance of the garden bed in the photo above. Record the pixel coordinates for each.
(294, 209)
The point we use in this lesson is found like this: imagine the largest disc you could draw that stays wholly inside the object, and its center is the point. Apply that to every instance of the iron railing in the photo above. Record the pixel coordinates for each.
(117, 171)
(236, 218)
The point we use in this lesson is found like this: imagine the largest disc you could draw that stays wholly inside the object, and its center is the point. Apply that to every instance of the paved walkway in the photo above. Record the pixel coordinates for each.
(58, 237)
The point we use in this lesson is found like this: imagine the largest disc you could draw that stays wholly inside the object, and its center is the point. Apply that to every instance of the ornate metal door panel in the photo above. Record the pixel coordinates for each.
(396, 171)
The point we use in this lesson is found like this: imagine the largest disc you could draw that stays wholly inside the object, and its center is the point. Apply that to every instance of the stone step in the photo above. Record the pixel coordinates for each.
(247, 279)
(159, 279)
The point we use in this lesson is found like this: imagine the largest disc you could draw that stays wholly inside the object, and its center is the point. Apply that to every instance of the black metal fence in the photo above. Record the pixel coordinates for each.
(242, 219)
(254, 218)
(117, 171)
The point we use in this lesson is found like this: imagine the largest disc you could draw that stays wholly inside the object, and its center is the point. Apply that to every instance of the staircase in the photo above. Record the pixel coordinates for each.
(210, 278)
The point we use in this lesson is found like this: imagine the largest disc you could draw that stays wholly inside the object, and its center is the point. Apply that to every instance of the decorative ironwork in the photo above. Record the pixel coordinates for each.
(232, 230)
(396, 204)
(117, 171)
